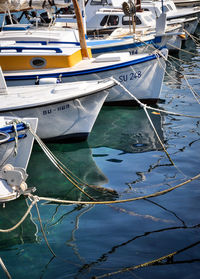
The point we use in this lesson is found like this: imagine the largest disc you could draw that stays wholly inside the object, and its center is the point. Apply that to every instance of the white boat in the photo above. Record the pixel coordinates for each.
(186, 16)
(16, 143)
(65, 36)
(109, 20)
(141, 74)
(146, 37)
(189, 16)
(186, 3)
(65, 111)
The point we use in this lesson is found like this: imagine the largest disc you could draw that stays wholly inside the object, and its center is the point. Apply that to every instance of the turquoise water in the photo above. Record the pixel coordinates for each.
(123, 159)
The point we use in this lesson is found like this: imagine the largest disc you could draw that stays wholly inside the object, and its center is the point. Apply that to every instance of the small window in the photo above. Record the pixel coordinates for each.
(169, 7)
(128, 20)
(113, 20)
(104, 20)
(38, 62)
(99, 2)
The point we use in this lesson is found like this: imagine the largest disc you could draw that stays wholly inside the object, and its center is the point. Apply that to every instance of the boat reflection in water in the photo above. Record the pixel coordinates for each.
(121, 128)
(77, 157)
(127, 129)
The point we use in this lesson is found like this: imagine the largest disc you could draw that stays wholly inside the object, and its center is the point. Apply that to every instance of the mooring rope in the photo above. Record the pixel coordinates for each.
(158, 52)
(156, 194)
(146, 112)
(35, 199)
(41, 226)
(5, 269)
(194, 93)
(184, 50)
(194, 38)
(22, 219)
(144, 106)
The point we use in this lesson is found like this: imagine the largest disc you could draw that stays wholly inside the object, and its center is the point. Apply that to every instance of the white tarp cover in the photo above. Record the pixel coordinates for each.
(17, 5)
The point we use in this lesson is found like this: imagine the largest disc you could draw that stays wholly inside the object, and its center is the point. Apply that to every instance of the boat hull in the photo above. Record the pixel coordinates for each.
(65, 120)
(141, 75)
(20, 159)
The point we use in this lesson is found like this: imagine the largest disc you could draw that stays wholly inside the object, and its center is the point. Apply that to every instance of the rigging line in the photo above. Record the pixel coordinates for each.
(150, 46)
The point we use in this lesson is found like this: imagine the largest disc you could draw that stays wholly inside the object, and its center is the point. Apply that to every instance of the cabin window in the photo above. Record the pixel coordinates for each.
(99, 2)
(104, 20)
(38, 62)
(113, 20)
(126, 20)
(169, 7)
(110, 21)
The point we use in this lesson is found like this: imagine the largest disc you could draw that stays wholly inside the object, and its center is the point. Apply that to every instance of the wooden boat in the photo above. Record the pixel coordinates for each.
(66, 111)
(16, 143)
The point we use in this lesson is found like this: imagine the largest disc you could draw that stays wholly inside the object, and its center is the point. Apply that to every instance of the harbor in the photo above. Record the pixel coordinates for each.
(118, 200)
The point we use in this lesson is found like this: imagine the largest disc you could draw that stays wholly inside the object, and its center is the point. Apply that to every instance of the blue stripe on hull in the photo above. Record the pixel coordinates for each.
(84, 72)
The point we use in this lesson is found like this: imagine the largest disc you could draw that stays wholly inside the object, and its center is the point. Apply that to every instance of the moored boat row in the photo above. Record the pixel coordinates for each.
(62, 79)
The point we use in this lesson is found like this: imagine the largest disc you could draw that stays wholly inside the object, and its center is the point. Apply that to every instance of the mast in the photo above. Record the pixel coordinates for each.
(83, 44)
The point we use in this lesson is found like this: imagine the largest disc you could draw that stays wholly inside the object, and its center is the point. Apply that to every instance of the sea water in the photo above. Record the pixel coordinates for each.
(122, 159)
